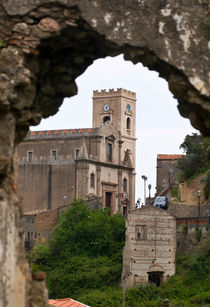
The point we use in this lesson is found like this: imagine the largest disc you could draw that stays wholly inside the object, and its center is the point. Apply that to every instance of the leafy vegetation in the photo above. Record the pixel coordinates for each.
(85, 252)
(198, 233)
(84, 261)
(188, 287)
(175, 192)
(195, 162)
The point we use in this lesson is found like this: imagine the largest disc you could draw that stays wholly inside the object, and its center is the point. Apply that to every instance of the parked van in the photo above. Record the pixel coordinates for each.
(161, 202)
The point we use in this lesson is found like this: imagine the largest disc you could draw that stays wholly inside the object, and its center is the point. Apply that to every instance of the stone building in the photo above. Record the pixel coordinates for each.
(58, 165)
(166, 172)
(38, 226)
(150, 248)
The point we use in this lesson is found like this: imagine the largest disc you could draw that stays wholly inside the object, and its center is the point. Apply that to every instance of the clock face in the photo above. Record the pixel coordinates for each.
(106, 107)
(128, 107)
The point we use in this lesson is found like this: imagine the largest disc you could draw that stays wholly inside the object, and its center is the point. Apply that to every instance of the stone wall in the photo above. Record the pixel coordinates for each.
(184, 210)
(166, 172)
(38, 226)
(190, 232)
(44, 181)
(45, 45)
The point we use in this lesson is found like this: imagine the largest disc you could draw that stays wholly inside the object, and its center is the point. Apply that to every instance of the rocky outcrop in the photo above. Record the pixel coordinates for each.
(46, 44)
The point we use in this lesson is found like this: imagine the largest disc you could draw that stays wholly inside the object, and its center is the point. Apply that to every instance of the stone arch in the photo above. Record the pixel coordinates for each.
(45, 45)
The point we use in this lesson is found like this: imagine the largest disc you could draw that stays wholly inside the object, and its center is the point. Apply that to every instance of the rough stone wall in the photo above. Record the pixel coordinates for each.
(150, 245)
(186, 210)
(190, 233)
(166, 171)
(45, 45)
(38, 226)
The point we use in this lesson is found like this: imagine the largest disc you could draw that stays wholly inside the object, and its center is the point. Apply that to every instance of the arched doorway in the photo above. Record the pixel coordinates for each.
(155, 277)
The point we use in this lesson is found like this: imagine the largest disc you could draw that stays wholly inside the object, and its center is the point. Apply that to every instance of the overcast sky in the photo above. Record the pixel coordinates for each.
(159, 128)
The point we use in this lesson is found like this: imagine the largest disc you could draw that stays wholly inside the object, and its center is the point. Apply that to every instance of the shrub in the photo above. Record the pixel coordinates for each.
(184, 228)
(198, 233)
(175, 192)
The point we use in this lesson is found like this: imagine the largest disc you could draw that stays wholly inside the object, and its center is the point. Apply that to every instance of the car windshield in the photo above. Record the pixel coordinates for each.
(160, 200)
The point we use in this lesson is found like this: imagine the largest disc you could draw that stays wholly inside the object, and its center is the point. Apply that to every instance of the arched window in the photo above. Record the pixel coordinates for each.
(106, 119)
(128, 123)
(109, 152)
(92, 180)
(125, 185)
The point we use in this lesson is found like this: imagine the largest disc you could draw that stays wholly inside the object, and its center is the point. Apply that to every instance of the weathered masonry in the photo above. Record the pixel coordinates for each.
(166, 172)
(45, 45)
(54, 167)
(150, 247)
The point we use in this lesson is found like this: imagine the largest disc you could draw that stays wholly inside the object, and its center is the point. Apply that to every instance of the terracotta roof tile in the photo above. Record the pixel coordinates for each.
(169, 157)
(65, 302)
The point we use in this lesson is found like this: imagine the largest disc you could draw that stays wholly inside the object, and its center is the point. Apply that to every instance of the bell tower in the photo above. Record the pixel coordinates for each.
(117, 108)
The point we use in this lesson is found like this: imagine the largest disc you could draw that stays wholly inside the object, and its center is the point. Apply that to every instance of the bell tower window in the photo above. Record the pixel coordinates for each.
(106, 119)
(128, 123)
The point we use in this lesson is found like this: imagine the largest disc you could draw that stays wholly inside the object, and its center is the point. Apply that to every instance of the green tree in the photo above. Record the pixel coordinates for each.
(85, 251)
(196, 148)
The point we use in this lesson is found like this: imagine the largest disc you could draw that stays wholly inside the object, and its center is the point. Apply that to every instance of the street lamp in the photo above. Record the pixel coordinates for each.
(149, 187)
(145, 179)
(199, 204)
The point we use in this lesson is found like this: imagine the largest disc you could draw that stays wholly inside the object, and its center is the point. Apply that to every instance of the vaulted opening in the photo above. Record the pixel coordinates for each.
(157, 118)
(106, 119)
(155, 278)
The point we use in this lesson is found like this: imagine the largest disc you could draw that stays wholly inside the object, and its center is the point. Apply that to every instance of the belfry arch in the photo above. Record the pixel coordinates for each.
(46, 45)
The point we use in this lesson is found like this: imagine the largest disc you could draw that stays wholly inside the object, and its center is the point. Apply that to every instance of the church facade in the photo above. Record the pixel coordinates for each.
(56, 166)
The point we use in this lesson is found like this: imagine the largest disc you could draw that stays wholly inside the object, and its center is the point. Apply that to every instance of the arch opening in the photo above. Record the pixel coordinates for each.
(48, 55)
(155, 277)
(128, 123)
(106, 119)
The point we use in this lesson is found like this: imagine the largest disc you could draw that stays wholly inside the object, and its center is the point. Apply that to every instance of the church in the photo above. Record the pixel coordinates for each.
(56, 166)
